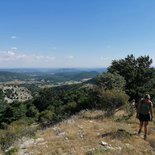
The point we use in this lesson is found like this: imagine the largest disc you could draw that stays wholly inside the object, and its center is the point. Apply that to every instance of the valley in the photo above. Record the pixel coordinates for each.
(23, 85)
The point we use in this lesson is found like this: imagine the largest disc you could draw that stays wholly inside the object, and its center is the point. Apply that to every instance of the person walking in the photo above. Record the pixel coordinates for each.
(144, 114)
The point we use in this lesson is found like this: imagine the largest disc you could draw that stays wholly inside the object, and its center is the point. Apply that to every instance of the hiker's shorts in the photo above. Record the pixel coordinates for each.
(144, 117)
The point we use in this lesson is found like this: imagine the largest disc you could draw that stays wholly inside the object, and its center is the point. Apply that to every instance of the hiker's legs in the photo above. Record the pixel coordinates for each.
(140, 127)
(145, 128)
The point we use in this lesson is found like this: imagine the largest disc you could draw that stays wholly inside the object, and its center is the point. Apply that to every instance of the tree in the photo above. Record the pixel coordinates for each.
(110, 100)
(111, 81)
(137, 73)
(1, 94)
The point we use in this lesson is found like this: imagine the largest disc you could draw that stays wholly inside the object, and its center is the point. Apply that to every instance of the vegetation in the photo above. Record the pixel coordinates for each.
(47, 77)
(126, 78)
(138, 74)
(90, 132)
(9, 76)
(110, 81)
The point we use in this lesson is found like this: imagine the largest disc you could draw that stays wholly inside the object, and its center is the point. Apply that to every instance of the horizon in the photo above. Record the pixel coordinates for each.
(57, 68)
(51, 69)
(74, 34)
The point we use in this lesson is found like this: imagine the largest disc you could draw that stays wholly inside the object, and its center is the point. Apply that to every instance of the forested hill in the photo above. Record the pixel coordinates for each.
(38, 76)
(9, 76)
(75, 75)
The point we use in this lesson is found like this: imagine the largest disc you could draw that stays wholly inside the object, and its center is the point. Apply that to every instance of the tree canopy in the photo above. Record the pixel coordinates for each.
(111, 81)
(137, 72)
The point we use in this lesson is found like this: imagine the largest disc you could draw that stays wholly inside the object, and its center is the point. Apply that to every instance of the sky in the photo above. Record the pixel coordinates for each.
(74, 33)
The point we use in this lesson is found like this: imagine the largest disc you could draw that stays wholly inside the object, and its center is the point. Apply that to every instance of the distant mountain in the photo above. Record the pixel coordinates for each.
(77, 76)
(52, 70)
(61, 75)
(9, 76)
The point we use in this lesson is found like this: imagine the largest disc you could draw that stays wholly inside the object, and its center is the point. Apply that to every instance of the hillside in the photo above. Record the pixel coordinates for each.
(91, 133)
(6, 76)
(9, 76)
(62, 120)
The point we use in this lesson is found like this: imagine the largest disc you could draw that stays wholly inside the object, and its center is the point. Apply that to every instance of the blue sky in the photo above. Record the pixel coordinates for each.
(74, 33)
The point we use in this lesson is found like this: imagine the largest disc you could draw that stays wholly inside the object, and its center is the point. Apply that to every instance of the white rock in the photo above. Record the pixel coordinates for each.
(104, 143)
(62, 134)
(98, 133)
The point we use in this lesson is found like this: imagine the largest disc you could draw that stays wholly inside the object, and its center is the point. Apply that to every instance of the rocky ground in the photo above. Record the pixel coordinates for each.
(91, 133)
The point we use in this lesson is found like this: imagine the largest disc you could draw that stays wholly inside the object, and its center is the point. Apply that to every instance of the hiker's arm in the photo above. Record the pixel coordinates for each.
(151, 110)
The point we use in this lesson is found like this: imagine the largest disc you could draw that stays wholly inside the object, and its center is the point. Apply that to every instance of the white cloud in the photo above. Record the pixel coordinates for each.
(14, 48)
(7, 55)
(13, 37)
(12, 58)
(11, 53)
(19, 59)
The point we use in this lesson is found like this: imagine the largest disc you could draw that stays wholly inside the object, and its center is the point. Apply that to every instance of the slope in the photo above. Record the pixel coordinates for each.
(91, 133)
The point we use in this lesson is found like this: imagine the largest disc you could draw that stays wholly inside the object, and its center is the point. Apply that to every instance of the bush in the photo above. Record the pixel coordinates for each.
(15, 131)
(46, 117)
(33, 112)
(110, 100)
(71, 107)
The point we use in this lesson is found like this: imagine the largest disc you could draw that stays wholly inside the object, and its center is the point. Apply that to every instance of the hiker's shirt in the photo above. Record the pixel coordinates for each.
(144, 107)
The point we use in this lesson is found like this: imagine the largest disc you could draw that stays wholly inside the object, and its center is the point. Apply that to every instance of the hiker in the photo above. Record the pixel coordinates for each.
(144, 113)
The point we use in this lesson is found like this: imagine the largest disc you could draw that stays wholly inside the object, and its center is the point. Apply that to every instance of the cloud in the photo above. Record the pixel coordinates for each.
(70, 57)
(13, 37)
(12, 56)
(11, 53)
(14, 48)
(7, 55)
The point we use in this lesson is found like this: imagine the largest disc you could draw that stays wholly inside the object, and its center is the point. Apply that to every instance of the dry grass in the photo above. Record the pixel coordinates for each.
(83, 134)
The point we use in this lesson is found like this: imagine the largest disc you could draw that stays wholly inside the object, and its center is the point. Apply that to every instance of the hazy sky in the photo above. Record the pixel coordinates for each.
(74, 33)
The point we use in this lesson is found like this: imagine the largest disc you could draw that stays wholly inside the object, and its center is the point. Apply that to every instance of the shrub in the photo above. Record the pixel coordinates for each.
(71, 107)
(110, 100)
(33, 112)
(46, 117)
(15, 131)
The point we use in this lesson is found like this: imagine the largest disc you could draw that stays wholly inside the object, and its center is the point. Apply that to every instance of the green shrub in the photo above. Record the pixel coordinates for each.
(71, 107)
(15, 131)
(110, 100)
(46, 117)
(33, 112)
